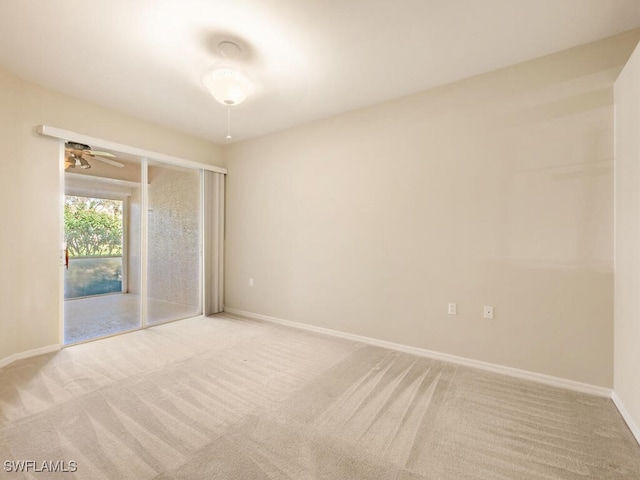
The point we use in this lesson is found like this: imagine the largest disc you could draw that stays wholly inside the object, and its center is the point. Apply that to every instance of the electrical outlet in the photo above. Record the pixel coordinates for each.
(488, 311)
(452, 309)
(251, 282)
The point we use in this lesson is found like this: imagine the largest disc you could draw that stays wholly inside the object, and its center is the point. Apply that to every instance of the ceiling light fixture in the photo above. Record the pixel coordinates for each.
(228, 85)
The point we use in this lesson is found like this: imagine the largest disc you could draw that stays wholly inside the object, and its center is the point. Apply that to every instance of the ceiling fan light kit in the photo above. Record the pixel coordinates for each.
(73, 161)
(83, 163)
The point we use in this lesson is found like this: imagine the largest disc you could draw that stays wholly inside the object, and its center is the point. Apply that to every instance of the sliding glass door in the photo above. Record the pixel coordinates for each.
(135, 245)
(174, 243)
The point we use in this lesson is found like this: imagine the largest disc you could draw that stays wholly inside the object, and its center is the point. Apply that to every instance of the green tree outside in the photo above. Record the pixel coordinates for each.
(93, 226)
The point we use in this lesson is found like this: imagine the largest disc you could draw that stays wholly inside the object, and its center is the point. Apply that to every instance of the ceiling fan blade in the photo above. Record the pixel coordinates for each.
(98, 152)
(108, 160)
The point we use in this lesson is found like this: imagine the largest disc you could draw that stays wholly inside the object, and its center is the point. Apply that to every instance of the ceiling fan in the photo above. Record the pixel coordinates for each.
(76, 153)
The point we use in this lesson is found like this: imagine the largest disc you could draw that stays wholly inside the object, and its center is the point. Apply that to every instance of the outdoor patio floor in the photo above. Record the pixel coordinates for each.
(93, 317)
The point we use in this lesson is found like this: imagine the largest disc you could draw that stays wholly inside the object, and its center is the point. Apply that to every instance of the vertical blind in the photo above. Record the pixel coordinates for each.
(214, 242)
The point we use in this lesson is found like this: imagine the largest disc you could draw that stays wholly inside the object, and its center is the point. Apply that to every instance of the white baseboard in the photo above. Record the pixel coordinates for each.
(29, 353)
(626, 416)
(467, 362)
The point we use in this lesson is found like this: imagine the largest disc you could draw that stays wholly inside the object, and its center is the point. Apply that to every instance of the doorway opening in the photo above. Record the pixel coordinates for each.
(102, 245)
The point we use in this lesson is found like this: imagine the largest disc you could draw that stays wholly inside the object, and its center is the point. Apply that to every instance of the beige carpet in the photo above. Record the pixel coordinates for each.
(225, 398)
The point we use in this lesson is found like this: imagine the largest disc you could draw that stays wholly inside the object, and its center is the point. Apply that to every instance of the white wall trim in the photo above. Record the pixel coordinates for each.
(59, 133)
(467, 362)
(626, 416)
(29, 353)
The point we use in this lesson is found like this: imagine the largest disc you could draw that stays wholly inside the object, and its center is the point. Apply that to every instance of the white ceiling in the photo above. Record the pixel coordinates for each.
(309, 59)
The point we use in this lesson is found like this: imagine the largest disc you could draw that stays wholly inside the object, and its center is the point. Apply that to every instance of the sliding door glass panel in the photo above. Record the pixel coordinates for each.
(174, 276)
(102, 275)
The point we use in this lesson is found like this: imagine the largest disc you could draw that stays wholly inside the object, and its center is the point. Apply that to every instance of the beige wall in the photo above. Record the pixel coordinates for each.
(495, 190)
(30, 199)
(627, 285)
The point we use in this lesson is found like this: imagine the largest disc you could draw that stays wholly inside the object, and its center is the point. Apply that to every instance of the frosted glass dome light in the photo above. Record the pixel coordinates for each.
(228, 85)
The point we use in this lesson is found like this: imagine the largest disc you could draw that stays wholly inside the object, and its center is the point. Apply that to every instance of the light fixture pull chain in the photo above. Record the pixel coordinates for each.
(229, 122)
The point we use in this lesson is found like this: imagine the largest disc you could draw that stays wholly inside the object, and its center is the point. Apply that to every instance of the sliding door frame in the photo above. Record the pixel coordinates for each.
(144, 242)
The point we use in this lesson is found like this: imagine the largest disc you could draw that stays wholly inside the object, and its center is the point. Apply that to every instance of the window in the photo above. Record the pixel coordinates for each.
(94, 232)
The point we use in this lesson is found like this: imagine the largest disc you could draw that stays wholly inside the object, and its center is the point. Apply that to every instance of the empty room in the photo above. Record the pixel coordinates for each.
(326, 239)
